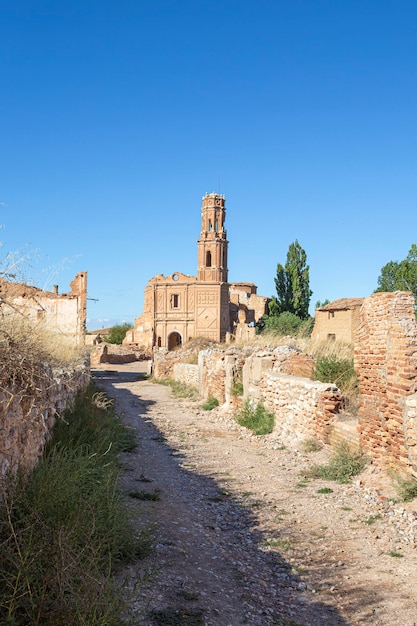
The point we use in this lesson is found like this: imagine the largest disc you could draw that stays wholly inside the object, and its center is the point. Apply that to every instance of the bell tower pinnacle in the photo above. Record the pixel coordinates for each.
(212, 245)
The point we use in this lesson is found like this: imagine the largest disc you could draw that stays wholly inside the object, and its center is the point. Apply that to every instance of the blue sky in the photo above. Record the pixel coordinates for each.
(117, 117)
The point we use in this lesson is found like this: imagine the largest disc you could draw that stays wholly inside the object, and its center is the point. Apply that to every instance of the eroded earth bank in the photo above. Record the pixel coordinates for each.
(241, 538)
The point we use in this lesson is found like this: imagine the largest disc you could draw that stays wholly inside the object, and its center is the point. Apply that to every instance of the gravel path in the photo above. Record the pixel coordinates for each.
(241, 538)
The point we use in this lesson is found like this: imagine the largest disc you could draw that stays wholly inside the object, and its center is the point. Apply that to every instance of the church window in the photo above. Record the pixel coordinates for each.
(175, 301)
(208, 258)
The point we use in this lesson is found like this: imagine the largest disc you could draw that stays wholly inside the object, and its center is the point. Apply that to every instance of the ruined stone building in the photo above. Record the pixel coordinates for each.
(338, 321)
(179, 307)
(64, 314)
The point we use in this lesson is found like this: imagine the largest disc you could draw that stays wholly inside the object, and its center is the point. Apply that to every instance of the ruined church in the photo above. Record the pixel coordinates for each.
(178, 308)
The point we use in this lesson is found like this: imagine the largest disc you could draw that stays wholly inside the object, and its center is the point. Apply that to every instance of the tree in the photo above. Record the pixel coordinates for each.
(400, 275)
(118, 333)
(319, 304)
(292, 283)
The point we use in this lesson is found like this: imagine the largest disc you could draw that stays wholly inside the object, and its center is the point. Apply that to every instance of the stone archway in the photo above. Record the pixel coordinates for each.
(174, 340)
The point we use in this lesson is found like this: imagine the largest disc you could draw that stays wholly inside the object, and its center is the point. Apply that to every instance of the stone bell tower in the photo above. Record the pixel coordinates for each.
(212, 245)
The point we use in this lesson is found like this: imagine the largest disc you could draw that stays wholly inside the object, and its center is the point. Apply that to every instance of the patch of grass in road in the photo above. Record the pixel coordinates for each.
(177, 617)
(372, 519)
(283, 544)
(210, 404)
(180, 390)
(256, 418)
(395, 554)
(138, 494)
(344, 464)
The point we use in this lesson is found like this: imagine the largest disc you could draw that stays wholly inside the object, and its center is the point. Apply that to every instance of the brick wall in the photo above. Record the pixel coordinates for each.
(386, 364)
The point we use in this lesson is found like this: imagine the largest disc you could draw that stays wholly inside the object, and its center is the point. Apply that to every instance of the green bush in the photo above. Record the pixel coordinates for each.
(64, 528)
(256, 418)
(344, 464)
(210, 404)
(285, 324)
(237, 388)
(331, 369)
(118, 333)
(407, 489)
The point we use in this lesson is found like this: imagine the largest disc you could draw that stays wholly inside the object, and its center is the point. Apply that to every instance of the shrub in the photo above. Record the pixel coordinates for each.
(237, 388)
(311, 445)
(118, 332)
(210, 404)
(407, 489)
(283, 324)
(256, 418)
(344, 464)
(339, 371)
(331, 369)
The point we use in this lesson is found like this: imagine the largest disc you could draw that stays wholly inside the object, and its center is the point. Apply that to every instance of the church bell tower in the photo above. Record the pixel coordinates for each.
(212, 245)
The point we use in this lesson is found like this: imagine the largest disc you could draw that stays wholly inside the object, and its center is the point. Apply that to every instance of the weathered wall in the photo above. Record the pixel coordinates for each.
(212, 374)
(63, 314)
(386, 364)
(110, 353)
(339, 319)
(303, 408)
(187, 374)
(25, 421)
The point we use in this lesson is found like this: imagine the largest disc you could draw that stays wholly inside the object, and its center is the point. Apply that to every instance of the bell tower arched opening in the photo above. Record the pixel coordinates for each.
(212, 245)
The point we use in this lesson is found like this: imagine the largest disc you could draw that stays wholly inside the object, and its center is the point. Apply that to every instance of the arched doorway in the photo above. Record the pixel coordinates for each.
(174, 340)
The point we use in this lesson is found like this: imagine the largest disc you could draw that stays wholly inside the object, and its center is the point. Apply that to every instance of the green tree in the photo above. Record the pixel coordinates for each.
(292, 283)
(400, 275)
(118, 333)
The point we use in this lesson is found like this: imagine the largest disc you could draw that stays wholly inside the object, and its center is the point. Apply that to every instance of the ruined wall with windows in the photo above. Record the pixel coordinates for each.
(60, 314)
(38, 327)
(338, 321)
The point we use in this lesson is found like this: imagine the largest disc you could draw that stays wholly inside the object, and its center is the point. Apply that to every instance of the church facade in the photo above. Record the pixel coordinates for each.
(178, 308)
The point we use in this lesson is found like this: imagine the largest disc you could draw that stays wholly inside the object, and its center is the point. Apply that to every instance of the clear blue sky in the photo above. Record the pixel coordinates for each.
(117, 117)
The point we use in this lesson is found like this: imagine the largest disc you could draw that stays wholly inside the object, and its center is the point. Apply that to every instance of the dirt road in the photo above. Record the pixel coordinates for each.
(240, 537)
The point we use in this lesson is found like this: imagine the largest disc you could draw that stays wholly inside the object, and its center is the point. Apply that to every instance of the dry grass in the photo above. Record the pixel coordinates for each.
(27, 337)
(315, 348)
(26, 350)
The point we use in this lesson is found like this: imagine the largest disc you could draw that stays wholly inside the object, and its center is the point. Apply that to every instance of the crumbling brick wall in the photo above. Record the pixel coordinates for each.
(303, 408)
(386, 365)
(26, 421)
